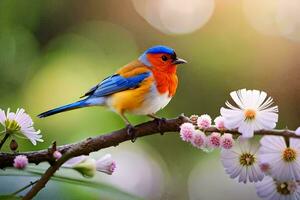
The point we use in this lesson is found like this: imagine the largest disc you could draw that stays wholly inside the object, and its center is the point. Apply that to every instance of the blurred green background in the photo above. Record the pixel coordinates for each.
(53, 51)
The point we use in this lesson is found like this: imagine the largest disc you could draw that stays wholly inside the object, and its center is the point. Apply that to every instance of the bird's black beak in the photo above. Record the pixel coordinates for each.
(178, 61)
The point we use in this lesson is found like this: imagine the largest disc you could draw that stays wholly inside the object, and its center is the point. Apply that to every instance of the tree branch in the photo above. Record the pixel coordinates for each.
(89, 145)
(94, 144)
(114, 138)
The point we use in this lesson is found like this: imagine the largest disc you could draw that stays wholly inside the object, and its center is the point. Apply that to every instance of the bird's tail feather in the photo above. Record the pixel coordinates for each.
(72, 106)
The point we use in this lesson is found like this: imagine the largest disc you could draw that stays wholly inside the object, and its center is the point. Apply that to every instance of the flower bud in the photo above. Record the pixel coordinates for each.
(187, 131)
(13, 145)
(194, 118)
(57, 155)
(20, 162)
(87, 168)
(214, 140)
(199, 139)
(204, 121)
(106, 164)
(227, 141)
(219, 122)
(83, 164)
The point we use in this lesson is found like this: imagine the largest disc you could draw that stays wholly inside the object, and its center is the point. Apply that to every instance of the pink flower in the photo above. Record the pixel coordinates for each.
(214, 140)
(265, 168)
(219, 122)
(227, 141)
(187, 131)
(106, 164)
(204, 121)
(57, 155)
(199, 139)
(297, 132)
(20, 162)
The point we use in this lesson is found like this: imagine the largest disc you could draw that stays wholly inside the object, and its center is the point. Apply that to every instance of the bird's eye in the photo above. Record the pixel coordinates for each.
(164, 58)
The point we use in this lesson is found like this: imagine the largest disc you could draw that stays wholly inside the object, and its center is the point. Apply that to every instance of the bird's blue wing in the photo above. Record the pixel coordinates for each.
(116, 83)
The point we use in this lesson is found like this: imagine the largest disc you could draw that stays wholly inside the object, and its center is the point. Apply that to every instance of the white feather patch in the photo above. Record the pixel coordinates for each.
(153, 102)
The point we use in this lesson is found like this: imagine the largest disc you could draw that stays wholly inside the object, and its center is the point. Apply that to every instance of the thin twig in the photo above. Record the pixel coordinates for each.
(24, 188)
(46, 176)
(6, 136)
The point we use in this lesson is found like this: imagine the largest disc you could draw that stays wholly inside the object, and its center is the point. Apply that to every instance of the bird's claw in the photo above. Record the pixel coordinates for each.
(131, 132)
(160, 122)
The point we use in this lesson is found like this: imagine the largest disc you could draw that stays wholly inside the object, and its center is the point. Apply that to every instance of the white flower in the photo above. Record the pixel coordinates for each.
(253, 112)
(271, 189)
(88, 166)
(284, 161)
(20, 122)
(242, 161)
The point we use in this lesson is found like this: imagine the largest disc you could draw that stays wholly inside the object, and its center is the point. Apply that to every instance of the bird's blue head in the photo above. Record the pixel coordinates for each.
(160, 55)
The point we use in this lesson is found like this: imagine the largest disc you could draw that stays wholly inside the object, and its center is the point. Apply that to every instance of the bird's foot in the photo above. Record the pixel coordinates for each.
(160, 122)
(131, 130)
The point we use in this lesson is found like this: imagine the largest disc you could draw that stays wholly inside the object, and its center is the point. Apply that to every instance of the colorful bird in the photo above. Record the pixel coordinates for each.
(141, 87)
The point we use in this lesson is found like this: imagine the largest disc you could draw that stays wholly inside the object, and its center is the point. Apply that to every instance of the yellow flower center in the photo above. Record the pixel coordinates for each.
(282, 188)
(289, 155)
(249, 114)
(12, 126)
(247, 159)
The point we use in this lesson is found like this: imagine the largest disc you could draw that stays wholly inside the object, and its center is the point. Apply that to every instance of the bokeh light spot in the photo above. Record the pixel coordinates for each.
(176, 16)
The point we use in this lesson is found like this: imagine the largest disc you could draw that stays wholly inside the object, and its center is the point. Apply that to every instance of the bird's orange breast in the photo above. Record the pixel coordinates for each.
(165, 82)
(164, 74)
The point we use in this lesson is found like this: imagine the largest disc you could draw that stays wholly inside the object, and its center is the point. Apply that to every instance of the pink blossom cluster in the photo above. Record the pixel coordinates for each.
(195, 134)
